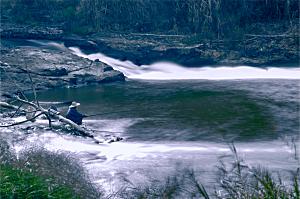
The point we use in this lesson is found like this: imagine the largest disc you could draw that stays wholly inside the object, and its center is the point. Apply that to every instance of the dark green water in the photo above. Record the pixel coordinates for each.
(180, 124)
(245, 110)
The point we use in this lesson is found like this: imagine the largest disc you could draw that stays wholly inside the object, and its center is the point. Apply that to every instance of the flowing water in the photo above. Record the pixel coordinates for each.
(181, 120)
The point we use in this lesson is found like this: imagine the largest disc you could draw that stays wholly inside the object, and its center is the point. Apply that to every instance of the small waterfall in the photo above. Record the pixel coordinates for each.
(172, 71)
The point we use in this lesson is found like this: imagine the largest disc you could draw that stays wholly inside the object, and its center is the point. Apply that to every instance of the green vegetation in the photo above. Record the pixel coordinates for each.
(207, 18)
(38, 173)
(17, 183)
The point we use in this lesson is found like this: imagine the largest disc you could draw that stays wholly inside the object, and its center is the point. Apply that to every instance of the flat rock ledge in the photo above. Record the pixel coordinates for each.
(49, 68)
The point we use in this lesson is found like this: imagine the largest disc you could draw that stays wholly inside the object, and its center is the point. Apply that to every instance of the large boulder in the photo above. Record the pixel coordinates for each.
(50, 68)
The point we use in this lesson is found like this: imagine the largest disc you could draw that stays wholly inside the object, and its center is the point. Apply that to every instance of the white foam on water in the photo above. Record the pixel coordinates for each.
(171, 71)
(131, 150)
(51, 44)
(113, 125)
(108, 162)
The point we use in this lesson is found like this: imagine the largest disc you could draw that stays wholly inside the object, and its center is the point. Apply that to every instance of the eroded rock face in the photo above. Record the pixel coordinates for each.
(253, 50)
(49, 68)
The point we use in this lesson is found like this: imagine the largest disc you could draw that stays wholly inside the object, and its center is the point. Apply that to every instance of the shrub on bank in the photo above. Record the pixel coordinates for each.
(38, 173)
(62, 168)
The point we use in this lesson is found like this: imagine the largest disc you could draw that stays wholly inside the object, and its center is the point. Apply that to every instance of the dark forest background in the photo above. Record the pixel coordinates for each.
(207, 18)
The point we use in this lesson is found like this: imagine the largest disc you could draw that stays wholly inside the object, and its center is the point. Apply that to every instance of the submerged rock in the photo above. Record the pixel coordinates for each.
(115, 139)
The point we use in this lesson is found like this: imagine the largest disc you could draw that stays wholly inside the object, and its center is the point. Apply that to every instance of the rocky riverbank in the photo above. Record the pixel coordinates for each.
(49, 66)
(253, 50)
(45, 65)
(263, 49)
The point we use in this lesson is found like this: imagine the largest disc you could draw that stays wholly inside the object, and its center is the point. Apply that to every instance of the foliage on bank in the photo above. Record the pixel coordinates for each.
(38, 173)
(17, 183)
(209, 18)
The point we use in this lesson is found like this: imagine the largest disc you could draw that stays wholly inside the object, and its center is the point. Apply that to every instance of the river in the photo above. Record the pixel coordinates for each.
(174, 118)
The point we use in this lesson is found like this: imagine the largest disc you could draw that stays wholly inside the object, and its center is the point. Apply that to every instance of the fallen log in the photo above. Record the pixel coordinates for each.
(34, 107)
(59, 117)
(48, 114)
(71, 123)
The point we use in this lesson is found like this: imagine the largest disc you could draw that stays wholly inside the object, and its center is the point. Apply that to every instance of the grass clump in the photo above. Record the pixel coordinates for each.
(239, 180)
(18, 183)
(38, 173)
(62, 168)
(168, 188)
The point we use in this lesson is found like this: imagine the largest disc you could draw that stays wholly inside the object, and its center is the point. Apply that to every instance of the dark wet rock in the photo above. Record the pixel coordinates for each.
(106, 77)
(115, 139)
(97, 142)
(112, 76)
(107, 68)
(55, 72)
(28, 128)
(83, 44)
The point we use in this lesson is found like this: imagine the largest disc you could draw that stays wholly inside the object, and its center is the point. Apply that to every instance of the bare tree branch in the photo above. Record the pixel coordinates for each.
(17, 110)
(17, 123)
(32, 87)
(21, 98)
(59, 117)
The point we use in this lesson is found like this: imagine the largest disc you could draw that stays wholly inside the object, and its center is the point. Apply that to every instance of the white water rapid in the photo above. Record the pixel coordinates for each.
(172, 71)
